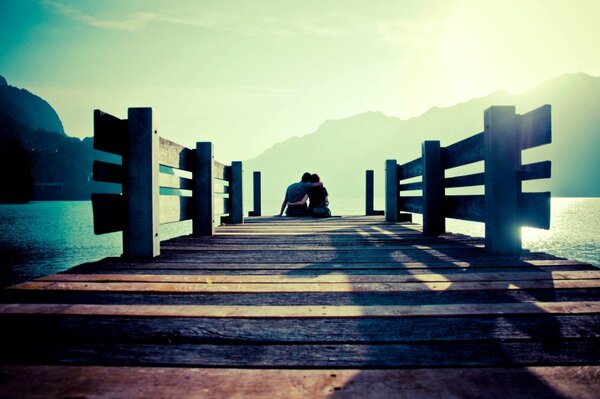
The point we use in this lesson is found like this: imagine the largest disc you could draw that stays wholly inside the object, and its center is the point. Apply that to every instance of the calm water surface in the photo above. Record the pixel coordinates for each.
(41, 238)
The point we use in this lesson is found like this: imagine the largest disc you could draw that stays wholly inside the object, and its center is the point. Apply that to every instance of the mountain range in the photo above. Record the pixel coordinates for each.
(39, 161)
(341, 150)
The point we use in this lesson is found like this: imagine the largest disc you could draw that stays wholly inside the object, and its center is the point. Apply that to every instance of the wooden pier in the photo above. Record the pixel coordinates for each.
(281, 307)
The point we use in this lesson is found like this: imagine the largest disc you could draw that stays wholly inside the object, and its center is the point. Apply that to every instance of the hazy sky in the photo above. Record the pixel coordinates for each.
(247, 74)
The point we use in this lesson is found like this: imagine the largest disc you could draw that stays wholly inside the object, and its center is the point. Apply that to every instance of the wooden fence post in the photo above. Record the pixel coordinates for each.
(256, 191)
(391, 190)
(203, 223)
(141, 186)
(434, 222)
(369, 207)
(502, 159)
(236, 213)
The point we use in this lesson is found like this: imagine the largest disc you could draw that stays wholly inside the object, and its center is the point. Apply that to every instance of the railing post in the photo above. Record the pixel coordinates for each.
(369, 207)
(203, 223)
(391, 190)
(434, 222)
(502, 158)
(256, 191)
(236, 213)
(141, 186)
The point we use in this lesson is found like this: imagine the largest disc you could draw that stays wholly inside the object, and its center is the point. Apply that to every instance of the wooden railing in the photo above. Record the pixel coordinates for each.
(370, 194)
(504, 208)
(162, 182)
(256, 198)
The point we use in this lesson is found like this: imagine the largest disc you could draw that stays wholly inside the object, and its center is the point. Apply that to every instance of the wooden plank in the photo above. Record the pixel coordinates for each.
(538, 170)
(304, 287)
(331, 278)
(369, 192)
(175, 182)
(569, 352)
(256, 191)
(405, 298)
(475, 179)
(534, 210)
(463, 152)
(545, 308)
(221, 205)
(410, 169)
(502, 185)
(175, 155)
(465, 207)
(109, 213)
(204, 205)
(107, 172)
(141, 191)
(221, 171)
(185, 382)
(410, 266)
(175, 209)
(236, 211)
(434, 222)
(110, 133)
(411, 186)
(535, 127)
(391, 191)
(411, 204)
(131, 328)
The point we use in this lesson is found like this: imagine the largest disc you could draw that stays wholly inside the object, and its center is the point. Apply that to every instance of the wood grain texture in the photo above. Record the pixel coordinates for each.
(291, 298)
(212, 383)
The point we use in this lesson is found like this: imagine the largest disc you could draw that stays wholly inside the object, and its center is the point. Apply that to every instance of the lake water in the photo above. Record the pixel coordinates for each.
(41, 238)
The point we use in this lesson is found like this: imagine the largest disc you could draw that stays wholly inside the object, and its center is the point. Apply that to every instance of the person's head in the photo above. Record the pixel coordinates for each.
(306, 178)
(315, 178)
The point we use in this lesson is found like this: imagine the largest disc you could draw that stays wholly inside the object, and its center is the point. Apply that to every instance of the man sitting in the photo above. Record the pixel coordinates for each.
(296, 192)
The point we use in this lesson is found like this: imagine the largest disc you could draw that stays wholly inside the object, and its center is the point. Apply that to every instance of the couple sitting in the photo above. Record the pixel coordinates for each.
(297, 194)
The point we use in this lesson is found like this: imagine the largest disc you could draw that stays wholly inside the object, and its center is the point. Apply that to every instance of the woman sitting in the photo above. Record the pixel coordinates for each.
(318, 198)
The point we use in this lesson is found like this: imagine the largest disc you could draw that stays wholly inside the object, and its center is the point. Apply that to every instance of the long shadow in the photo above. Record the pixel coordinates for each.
(451, 341)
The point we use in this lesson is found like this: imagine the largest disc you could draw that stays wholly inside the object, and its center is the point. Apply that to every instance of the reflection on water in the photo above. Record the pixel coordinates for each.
(41, 238)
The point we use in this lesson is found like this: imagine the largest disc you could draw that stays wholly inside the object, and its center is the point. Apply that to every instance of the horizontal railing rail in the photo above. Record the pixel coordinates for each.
(503, 207)
(161, 182)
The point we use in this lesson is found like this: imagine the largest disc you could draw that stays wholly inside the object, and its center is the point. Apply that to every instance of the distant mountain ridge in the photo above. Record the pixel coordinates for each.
(28, 109)
(341, 150)
(37, 159)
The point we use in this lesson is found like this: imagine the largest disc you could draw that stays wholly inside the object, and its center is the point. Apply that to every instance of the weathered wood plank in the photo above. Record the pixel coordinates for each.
(535, 127)
(465, 207)
(411, 186)
(475, 179)
(534, 210)
(303, 287)
(110, 133)
(107, 172)
(333, 278)
(87, 381)
(221, 171)
(538, 170)
(545, 308)
(411, 204)
(175, 209)
(569, 352)
(463, 152)
(410, 169)
(109, 213)
(175, 155)
(302, 298)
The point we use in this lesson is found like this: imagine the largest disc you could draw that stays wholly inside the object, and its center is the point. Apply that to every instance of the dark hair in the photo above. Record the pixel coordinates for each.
(306, 177)
(315, 178)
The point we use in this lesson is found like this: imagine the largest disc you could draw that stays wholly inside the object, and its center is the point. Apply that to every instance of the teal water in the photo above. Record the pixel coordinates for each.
(41, 238)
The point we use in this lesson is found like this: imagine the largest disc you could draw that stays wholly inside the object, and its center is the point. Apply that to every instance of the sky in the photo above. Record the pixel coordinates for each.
(248, 74)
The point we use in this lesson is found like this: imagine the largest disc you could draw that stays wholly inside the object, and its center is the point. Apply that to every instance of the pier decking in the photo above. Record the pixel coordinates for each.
(283, 307)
